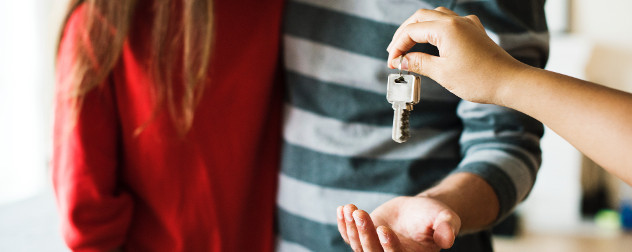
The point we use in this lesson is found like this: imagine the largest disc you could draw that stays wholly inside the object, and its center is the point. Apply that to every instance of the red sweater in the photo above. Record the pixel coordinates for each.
(214, 189)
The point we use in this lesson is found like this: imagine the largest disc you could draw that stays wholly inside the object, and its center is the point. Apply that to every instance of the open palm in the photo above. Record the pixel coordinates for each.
(404, 224)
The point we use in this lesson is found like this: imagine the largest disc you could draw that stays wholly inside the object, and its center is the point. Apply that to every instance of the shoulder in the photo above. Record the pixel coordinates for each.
(73, 34)
(74, 24)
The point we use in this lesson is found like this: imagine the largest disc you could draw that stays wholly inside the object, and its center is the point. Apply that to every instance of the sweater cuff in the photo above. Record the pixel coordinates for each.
(501, 183)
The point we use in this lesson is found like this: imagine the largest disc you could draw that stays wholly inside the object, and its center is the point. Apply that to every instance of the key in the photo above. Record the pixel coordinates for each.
(402, 90)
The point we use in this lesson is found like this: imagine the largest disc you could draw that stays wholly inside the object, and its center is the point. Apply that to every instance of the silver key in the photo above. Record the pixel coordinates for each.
(403, 92)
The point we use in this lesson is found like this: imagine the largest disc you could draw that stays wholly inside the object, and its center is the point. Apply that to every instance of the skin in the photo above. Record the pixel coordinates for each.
(429, 221)
(595, 119)
(575, 109)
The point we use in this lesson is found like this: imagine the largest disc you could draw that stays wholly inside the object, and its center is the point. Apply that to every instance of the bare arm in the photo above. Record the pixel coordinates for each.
(597, 120)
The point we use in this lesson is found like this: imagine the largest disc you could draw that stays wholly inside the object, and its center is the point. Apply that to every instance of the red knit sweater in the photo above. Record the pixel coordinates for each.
(214, 189)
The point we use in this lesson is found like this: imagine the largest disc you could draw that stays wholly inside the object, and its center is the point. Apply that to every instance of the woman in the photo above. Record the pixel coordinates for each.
(167, 125)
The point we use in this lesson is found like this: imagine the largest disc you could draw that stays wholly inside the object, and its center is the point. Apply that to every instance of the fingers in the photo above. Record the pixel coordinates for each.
(446, 227)
(352, 232)
(420, 63)
(389, 240)
(342, 227)
(429, 26)
(366, 230)
(357, 229)
(422, 15)
(426, 32)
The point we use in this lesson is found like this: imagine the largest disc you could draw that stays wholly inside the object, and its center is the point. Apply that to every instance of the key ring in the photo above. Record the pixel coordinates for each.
(401, 58)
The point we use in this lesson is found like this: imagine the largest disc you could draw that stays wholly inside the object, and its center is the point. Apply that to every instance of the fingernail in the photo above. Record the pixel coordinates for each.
(359, 221)
(339, 212)
(404, 63)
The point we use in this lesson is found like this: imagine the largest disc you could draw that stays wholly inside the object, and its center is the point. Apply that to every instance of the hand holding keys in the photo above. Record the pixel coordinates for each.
(403, 92)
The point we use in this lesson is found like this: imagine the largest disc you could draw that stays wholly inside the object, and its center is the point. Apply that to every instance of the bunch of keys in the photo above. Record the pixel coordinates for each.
(402, 90)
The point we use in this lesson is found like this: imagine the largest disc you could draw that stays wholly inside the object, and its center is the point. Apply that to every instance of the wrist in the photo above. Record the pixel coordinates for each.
(445, 195)
(512, 83)
(470, 197)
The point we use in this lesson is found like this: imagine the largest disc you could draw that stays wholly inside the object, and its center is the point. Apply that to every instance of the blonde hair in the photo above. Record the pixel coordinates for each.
(186, 36)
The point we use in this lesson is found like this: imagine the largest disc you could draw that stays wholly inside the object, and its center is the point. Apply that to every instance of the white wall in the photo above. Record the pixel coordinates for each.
(553, 205)
(609, 24)
(29, 29)
(599, 49)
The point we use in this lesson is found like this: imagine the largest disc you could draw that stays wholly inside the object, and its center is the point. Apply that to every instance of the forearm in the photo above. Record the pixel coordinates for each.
(470, 196)
(595, 119)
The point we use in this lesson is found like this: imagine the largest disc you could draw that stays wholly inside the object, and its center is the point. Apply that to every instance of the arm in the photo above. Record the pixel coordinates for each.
(470, 197)
(95, 210)
(595, 119)
(501, 157)
(501, 145)
(575, 109)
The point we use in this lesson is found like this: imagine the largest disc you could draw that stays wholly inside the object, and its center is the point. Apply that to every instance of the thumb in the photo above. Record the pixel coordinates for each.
(446, 228)
(421, 63)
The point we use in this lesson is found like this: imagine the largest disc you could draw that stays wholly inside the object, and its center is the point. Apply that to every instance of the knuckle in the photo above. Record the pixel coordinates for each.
(441, 8)
(472, 19)
(416, 64)
(407, 27)
(453, 21)
(406, 30)
(421, 12)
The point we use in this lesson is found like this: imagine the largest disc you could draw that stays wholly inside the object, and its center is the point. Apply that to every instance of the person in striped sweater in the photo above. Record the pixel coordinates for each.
(466, 165)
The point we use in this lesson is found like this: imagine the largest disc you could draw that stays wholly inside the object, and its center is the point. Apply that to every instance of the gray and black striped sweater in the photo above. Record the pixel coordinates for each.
(337, 123)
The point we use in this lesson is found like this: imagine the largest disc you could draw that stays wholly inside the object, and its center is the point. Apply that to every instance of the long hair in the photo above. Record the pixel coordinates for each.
(186, 36)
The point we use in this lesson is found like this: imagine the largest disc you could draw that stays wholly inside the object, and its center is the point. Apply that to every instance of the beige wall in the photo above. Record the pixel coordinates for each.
(608, 23)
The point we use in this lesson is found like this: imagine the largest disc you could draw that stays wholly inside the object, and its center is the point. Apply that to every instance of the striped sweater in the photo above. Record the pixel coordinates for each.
(337, 122)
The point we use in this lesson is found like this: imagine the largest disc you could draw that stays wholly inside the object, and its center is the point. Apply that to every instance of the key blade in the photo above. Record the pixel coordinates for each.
(401, 118)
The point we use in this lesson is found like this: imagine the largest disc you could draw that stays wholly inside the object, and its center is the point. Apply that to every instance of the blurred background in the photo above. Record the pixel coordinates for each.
(574, 206)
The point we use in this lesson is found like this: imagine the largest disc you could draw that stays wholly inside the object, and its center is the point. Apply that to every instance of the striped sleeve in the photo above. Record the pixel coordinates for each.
(499, 144)
(503, 147)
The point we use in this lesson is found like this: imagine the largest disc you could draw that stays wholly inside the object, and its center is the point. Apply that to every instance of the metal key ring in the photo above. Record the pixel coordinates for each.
(401, 58)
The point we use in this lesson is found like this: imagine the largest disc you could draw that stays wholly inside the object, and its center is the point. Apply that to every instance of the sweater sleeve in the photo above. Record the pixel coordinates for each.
(95, 210)
(499, 144)
(503, 147)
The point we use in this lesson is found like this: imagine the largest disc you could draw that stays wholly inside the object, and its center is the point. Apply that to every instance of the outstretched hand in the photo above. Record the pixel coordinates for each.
(470, 64)
(403, 224)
